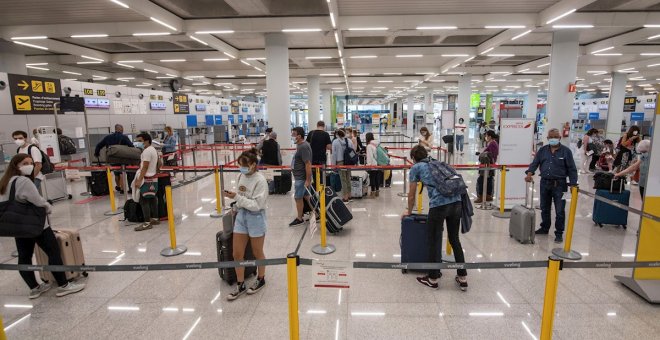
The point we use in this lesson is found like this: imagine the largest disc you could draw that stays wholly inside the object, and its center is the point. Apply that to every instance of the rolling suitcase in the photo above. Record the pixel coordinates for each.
(163, 182)
(333, 181)
(523, 218)
(604, 213)
(337, 214)
(98, 183)
(71, 251)
(414, 240)
(224, 243)
(283, 183)
(359, 186)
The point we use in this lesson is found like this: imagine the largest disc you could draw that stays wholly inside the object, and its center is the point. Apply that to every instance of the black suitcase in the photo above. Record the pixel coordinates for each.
(98, 183)
(337, 214)
(224, 244)
(133, 211)
(283, 183)
(160, 195)
(414, 240)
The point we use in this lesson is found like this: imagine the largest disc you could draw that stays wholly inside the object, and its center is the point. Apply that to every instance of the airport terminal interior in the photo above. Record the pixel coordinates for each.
(204, 82)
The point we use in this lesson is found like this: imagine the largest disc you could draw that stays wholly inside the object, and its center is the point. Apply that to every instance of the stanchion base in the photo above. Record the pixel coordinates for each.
(448, 258)
(118, 212)
(14, 253)
(216, 214)
(487, 207)
(647, 289)
(173, 252)
(328, 249)
(570, 255)
(402, 194)
(505, 214)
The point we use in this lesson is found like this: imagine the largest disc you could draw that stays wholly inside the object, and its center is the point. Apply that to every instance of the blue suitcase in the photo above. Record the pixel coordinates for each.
(414, 240)
(606, 214)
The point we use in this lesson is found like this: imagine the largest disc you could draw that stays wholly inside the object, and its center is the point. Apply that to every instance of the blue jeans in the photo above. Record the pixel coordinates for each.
(553, 190)
(37, 183)
(459, 142)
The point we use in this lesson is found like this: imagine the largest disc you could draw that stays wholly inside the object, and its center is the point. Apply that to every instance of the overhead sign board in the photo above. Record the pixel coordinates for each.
(181, 105)
(629, 104)
(33, 95)
(234, 106)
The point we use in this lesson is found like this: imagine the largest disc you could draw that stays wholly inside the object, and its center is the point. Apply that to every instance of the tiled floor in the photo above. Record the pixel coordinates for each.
(381, 304)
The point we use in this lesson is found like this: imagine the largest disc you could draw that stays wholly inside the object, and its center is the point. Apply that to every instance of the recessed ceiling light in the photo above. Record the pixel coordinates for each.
(368, 29)
(215, 59)
(37, 37)
(198, 40)
(120, 3)
(560, 16)
(409, 55)
(651, 26)
(89, 36)
(130, 61)
(607, 54)
(301, 30)
(358, 81)
(256, 75)
(31, 45)
(172, 60)
(487, 50)
(88, 62)
(521, 35)
(504, 26)
(146, 34)
(329, 75)
(125, 65)
(363, 57)
(500, 55)
(603, 50)
(215, 32)
(37, 68)
(437, 27)
(572, 26)
(455, 55)
(318, 57)
(360, 74)
(163, 23)
(543, 65)
(74, 73)
(649, 54)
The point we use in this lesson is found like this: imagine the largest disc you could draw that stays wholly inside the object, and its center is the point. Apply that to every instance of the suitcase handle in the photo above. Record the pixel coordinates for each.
(418, 218)
(529, 188)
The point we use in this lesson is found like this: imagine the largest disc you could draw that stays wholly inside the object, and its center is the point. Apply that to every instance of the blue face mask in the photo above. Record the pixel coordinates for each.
(139, 145)
(244, 170)
(553, 141)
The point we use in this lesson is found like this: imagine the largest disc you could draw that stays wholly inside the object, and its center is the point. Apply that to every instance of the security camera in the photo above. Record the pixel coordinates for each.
(171, 98)
(118, 94)
(141, 96)
(67, 90)
(3, 85)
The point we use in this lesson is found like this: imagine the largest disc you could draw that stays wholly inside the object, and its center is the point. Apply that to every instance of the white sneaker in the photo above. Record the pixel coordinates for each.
(70, 288)
(42, 288)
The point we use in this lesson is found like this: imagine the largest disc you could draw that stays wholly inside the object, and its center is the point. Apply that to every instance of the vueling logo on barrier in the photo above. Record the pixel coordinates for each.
(400, 266)
(248, 263)
(512, 265)
(194, 266)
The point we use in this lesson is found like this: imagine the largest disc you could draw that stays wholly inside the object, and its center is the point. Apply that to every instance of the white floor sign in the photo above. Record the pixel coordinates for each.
(332, 274)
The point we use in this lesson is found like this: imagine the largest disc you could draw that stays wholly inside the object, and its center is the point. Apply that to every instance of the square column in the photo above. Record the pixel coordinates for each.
(326, 100)
(313, 101)
(530, 103)
(563, 71)
(615, 108)
(464, 94)
(277, 85)
(410, 116)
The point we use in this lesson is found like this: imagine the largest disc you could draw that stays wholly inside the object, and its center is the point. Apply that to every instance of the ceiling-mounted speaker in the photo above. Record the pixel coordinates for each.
(175, 85)
(141, 96)
(118, 94)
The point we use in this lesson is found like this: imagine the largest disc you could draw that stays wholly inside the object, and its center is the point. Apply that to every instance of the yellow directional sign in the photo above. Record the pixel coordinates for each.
(23, 103)
(37, 86)
(24, 85)
(50, 86)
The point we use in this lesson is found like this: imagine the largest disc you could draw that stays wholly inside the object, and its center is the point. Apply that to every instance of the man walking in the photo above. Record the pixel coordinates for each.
(302, 172)
(556, 164)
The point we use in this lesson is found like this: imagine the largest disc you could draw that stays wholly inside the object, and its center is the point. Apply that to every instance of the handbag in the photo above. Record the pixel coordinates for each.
(149, 187)
(606, 181)
(22, 220)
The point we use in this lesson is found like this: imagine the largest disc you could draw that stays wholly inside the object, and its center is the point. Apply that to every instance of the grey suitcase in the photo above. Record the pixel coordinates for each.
(523, 218)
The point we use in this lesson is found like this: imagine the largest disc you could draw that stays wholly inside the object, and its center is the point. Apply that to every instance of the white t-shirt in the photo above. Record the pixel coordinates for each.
(35, 155)
(149, 155)
(459, 129)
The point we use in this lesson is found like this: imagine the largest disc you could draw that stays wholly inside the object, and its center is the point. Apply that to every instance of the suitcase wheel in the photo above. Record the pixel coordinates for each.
(600, 225)
(85, 274)
(70, 196)
(624, 226)
(404, 271)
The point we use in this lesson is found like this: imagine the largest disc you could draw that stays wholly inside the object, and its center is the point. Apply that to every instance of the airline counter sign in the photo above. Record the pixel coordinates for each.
(33, 95)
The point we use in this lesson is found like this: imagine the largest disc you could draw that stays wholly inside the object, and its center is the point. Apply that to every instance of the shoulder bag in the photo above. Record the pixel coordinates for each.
(22, 220)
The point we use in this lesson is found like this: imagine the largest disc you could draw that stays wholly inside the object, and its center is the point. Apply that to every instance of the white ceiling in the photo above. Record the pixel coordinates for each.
(445, 52)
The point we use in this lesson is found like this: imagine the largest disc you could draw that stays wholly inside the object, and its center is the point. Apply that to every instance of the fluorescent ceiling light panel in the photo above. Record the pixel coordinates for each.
(89, 36)
(455, 55)
(607, 54)
(120, 3)
(37, 68)
(74, 73)
(31, 45)
(437, 27)
(504, 26)
(521, 35)
(329, 75)
(363, 57)
(385, 81)
(146, 34)
(572, 26)
(487, 50)
(172, 60)
(215, 32)
(368, 29)
(393, 74)
(650, 54)
(500, 55)
(36, 64)
(560, 16)
(130, 61)
(37, 37)
(318, 57)
(125, 65)
(229, 55)
(88, 62)
(543, 65)
(215, 59)
(301, 30)
(603, 50)
(409, 55)
(163, 23)
(198, 40)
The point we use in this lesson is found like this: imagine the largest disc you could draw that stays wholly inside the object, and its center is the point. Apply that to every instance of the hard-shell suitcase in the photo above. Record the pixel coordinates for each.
(283, 183)
(71, 251)
(605, 213)
(359, 186)
(414, 240)
(224, 243)
(163, 182)
(98, 183)
(337, 214)
(523, 218)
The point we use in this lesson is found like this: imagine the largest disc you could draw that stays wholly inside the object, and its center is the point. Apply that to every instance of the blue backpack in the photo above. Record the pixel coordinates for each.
(350, 156)
(445, 179)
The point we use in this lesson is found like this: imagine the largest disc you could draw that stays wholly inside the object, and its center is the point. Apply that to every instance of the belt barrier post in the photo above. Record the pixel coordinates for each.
(194, 161)
(566, 252)
(124, 179)
(420, 203)
(501, 213)
(449, 250)
(318, 179)
(549, 300)
(3, 336)
(173, 249)
(218, 196)
(405, 179)
(323, 248)
(484, 190)
(111, 192)
(292, 290)
(439, 153)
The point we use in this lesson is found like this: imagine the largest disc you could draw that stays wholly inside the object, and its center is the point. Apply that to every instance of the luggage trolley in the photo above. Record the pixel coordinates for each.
(54, 187)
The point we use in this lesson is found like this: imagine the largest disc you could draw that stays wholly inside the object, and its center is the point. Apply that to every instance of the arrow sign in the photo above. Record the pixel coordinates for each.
(24, 85)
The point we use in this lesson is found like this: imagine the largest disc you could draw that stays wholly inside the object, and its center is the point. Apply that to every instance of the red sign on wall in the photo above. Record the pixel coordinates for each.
(571, 87)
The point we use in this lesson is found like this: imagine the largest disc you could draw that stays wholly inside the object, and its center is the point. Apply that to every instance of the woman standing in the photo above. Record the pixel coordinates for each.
(250, 222)
(169, 147)
(375, 176)
(18, 180)
(459, 131)
(493, 150)
(626, 146)
(642, 163)
(338, 146)
(426, 138)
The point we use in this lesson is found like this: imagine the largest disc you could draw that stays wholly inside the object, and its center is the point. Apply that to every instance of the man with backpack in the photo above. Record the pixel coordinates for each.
(42, 164)
(67, 146)
(344, 154)
(445, 189)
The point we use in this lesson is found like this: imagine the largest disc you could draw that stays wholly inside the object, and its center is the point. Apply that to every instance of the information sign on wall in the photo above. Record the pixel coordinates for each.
(33, 95)
(637, 116)
(594, 115)
(629, 104)
(234, 106)
(181, 105)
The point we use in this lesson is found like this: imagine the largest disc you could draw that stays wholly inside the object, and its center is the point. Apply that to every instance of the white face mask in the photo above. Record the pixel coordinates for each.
(19, 142)
(26, 170)
(635, 133)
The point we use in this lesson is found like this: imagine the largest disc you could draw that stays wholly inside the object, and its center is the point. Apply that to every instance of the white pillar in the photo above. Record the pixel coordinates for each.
(399, 113)
(428, 101)
(615, 108)
(326, 99)
(12, 63)
(313, 97)
(410, 115)
(530, 103)
(464, 93)
(637, 91)
(277, 85)
(563, 70)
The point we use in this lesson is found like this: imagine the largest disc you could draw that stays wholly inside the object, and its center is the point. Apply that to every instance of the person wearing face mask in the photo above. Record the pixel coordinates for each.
(556, 164)
(625, 147)
(493, 149)
(35, 138)
(459, 131)
(18, 176)
(20, 138)
(301, 166)
(250, 225)
(425, 138)
(146, 182)
(169, 146)
(642, 163)
(117, 138)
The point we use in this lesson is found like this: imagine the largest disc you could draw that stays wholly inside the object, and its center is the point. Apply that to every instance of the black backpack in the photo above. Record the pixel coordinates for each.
(133, 211)
(350, 156)
(67, 146)
(46, 166)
